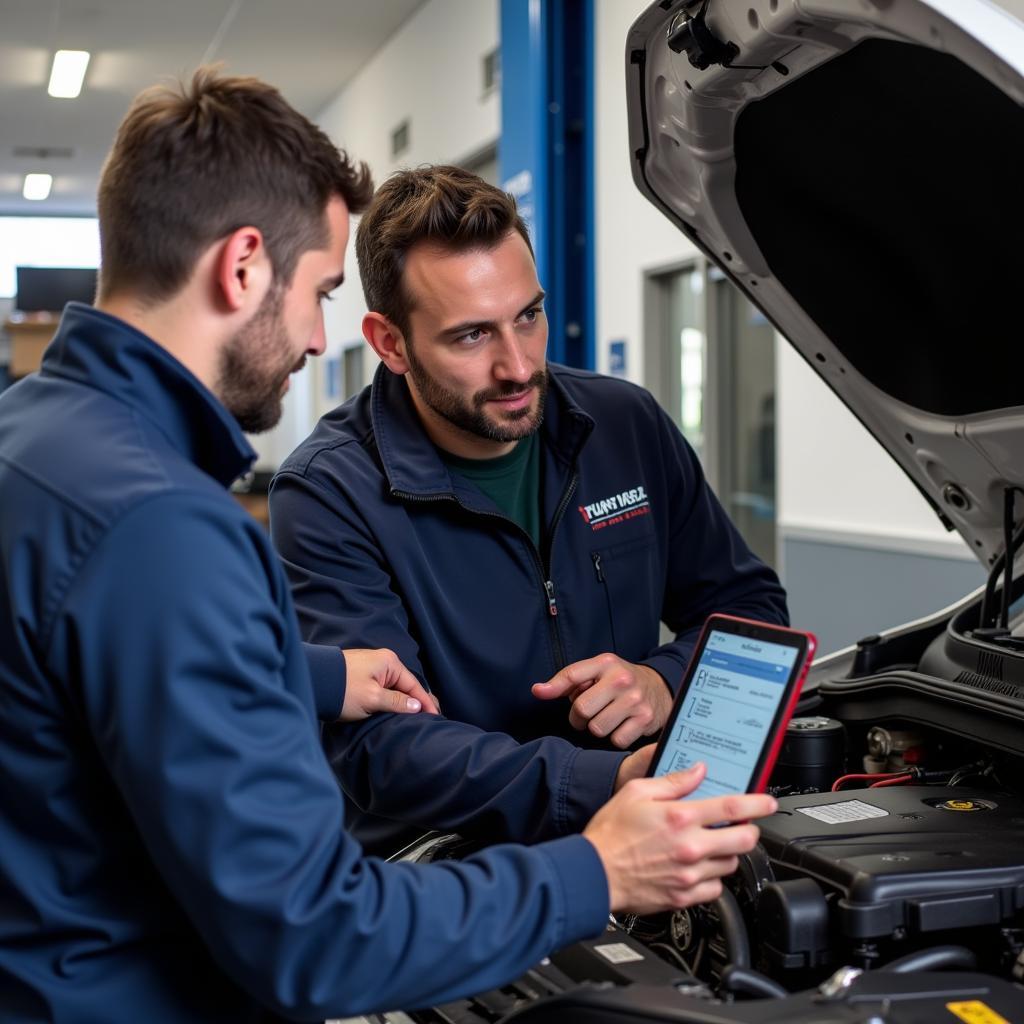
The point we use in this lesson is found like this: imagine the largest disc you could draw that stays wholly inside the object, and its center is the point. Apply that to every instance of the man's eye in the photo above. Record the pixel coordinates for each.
(530, 316)
(471, 336)
(326, 297)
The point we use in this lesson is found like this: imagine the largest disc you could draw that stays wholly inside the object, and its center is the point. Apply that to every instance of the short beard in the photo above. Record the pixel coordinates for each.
(470, 416)
(252, 372)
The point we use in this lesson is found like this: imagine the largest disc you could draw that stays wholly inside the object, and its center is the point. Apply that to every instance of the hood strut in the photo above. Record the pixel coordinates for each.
(994, 622)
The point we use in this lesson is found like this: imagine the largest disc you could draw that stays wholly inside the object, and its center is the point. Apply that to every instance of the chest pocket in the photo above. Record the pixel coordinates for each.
(629, 576)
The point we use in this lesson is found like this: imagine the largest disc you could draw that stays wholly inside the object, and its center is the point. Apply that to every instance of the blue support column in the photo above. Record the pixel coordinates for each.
(546, 156)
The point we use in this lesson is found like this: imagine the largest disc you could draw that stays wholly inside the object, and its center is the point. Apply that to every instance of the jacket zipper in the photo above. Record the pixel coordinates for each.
(543, 564)
(545, 567)
(595, 557)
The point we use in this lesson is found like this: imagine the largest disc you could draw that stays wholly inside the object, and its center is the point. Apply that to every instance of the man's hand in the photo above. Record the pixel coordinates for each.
(657, 849)
(378, 681)
(611, 697)
(635, 766)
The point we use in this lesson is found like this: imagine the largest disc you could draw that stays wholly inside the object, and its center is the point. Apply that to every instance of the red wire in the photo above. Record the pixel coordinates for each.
(838, 784)
(899, 780)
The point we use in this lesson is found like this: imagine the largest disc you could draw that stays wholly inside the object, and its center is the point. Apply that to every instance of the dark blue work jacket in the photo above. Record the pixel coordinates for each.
(172, 843)
(385, 548)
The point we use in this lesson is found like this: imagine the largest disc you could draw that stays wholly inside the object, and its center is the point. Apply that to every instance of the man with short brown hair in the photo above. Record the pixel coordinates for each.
(514, 530)
(172, 841)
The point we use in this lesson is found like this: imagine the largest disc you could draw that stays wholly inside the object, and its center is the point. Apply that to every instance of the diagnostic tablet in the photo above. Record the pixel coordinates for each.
(736, 699)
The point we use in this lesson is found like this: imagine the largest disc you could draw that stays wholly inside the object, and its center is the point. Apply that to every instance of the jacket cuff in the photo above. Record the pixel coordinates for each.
(327, 670)
(584, 884)
(589, 783)
(670, 669)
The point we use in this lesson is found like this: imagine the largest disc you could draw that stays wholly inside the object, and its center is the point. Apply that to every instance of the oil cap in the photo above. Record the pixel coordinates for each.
(965, 806)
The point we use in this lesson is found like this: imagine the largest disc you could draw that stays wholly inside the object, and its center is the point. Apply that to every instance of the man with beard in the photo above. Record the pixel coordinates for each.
(514, 530)
(172, 841)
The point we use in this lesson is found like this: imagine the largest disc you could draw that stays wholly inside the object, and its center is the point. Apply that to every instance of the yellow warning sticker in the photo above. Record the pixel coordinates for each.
(974, 1011)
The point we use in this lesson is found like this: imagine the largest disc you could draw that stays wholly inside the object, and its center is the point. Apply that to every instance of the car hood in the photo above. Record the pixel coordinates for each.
(858, 172)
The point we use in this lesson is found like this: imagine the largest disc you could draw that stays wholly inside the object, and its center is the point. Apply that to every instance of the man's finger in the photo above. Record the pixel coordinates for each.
(737, 807)
(408, 684)
(593, 701)
(562, 682)
(626, 734)
(676, 785)
(559, 685)
(396, 701)
(730, 841)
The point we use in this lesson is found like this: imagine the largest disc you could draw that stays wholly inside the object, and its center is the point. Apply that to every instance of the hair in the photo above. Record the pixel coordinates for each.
(193, 163)
(442, 205)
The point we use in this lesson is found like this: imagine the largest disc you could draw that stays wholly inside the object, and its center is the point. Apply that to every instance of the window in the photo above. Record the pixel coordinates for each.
(46, 242)
(400, 139)
(491, 69)
(746, 413)
(675, 355)
(353, 360)
(709, 359)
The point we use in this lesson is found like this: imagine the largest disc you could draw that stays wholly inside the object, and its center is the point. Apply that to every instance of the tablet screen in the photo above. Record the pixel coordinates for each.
(728, 710)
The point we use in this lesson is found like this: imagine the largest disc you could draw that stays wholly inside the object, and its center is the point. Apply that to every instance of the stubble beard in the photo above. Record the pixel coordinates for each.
(254, 366)
(472, 416)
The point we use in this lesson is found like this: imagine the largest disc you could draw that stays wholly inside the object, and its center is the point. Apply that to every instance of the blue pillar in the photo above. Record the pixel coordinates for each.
(546, 156)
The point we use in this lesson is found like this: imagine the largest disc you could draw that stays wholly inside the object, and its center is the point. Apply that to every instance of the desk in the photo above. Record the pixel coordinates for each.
(30, 333)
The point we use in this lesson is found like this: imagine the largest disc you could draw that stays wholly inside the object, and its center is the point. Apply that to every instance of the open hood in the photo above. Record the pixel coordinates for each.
(857, 168)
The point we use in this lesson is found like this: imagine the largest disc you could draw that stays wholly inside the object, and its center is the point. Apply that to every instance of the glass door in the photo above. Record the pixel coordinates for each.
(709, 359)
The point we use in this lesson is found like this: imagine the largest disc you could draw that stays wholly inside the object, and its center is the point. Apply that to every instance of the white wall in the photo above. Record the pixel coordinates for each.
(832, 475)
(632, 236)
(429, 72)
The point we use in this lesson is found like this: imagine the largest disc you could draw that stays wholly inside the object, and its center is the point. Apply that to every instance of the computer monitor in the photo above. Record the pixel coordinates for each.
(49, 289)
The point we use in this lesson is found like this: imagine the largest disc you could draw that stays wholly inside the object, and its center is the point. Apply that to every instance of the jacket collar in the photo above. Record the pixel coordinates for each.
(103, 352)
(411, 461)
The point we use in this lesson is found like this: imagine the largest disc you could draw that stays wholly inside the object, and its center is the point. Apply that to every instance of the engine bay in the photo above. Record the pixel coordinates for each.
(888, 886)
(900, 823)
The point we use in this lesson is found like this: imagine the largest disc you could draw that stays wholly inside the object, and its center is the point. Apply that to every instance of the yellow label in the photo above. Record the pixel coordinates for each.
(973, 1011)
(961, 805)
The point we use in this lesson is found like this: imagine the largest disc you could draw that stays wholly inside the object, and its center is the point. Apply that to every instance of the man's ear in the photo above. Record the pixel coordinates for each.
(387, 341)
(243, 271)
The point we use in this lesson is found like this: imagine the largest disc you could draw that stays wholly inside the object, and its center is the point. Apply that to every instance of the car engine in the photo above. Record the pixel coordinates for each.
(888, 887)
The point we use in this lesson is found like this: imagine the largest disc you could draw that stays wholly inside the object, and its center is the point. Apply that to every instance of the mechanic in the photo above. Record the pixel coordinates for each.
(498, 522)
(172, 842)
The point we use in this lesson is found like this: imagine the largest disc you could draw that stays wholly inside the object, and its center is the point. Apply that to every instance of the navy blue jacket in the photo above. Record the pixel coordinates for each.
(172, 843)
(384, 548)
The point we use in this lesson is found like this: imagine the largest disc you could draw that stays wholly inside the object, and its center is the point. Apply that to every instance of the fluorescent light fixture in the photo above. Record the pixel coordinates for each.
(68, 73)
(37, 186)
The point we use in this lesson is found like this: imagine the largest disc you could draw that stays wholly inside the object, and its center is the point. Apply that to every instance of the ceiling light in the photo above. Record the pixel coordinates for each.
(37, 186)
(68, 73)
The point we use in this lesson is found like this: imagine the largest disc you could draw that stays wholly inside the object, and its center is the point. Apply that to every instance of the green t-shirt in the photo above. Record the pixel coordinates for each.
(511, 481)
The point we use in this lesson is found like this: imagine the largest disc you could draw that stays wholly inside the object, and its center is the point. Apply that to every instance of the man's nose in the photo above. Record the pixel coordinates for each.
(512, 362)
(318, 343)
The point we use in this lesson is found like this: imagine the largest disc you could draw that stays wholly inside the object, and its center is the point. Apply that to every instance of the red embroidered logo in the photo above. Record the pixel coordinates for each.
(616, 508)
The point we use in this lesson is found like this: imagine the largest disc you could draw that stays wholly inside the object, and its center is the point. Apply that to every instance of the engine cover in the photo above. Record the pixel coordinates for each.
(895, 863)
